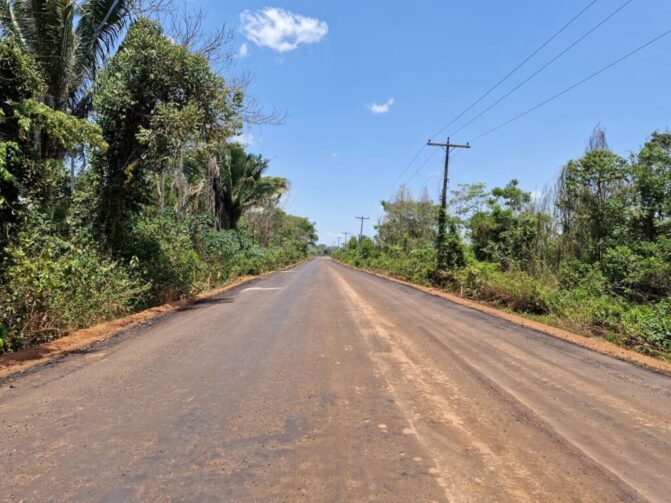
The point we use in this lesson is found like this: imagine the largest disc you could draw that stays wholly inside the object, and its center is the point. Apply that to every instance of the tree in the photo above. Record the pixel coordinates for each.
(154, 99)
(592, 199)
(242, 185)
(467, 199)
(505, 232)
(69, 40)
(407, 223)
(652, 186)
(27, 178)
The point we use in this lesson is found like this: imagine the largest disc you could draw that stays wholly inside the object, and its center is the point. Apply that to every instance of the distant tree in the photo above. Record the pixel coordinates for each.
(467, 199)
(652, 186)
(505, 232)
(407, 222)
(592, 199)
(242, 185)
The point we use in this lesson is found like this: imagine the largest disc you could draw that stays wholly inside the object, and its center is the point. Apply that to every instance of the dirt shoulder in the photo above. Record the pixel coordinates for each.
(25, 359)
(592, 343)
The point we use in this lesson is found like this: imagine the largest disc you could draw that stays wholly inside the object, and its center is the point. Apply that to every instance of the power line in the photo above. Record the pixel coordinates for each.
(426, 161)
(564, 51)
(573, 86)
(433, 175)
(509, 74)
(495, 86)
(571, 46)
(414, 158)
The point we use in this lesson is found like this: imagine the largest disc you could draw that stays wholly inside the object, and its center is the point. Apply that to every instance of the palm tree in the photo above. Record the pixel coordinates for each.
(240, 185)
(70, 40)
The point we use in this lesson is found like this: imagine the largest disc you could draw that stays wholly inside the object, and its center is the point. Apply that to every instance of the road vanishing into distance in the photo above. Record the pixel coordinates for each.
(326, 384)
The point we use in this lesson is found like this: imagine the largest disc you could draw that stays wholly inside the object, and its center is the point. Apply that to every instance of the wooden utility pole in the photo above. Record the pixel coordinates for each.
(362, 218)
(442, 214)
(346, 234)
(338, 238)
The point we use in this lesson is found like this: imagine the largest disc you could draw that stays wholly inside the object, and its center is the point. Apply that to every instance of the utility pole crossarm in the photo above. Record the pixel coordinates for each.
(448, 144)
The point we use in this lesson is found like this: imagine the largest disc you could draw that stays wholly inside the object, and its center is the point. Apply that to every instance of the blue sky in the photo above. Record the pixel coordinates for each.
(422, 63)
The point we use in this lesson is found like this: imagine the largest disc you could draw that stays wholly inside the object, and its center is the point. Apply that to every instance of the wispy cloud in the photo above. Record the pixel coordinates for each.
(280, 29)
(381, 108)
(243, 51)
(243, 139)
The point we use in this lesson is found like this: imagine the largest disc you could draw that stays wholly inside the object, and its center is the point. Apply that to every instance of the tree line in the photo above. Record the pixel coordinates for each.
(592, 253)
(120, 186)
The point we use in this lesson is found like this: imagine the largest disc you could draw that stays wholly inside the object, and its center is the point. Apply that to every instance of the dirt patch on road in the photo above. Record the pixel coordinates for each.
(23, 360)
(594, 344)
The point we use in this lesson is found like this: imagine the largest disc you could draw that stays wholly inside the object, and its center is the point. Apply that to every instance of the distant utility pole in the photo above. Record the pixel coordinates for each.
(346, 234)
(442, 214)
(362, 218)
(338, 238)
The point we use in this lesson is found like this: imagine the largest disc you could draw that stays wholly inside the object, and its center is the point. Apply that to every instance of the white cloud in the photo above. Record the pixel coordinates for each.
(381, 108)
(537, 195)
(243, 51)
(243, 139)
(280, 29)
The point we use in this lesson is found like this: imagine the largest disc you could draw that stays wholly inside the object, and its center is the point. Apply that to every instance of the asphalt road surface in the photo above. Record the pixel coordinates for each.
(327, 384)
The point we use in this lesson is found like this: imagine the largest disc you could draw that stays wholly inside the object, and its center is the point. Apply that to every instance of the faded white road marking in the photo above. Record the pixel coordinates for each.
(261, 288)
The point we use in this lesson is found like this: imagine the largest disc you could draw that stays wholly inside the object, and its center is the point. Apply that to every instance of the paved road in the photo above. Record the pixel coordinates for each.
(327, 384)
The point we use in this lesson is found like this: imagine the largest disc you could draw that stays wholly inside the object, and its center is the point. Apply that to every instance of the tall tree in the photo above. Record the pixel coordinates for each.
(652, 186)
(153, 98)
(70, 41)
(592, 197)
(241, 184)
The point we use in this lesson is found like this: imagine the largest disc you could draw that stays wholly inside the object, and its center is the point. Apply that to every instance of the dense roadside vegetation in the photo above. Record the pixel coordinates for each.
(120, 187)
(592, 255)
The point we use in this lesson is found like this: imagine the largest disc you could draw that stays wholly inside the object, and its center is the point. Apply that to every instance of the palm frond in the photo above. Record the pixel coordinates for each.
(9, 24)
(101, 22)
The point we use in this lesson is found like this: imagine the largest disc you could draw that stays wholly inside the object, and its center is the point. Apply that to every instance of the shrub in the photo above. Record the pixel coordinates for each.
(166, 257)
(516, 290)
(650, 326)
(641, 274)
(52, 286)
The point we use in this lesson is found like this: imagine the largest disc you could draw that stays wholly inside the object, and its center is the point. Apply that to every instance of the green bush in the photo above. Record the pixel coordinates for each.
(516, 290)
(650, 326)
(51, 286)
(642, 274)
(167, 258)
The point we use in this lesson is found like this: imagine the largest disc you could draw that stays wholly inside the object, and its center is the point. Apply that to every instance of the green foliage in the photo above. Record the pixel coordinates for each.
(163, 208)
(69, 40)
(152, 99)
(592, 200)
(30, 175)
(407, 222)
(166, 256)
(600, 264)
(652, 186)
(241, 185)
(51, 286)
(505, 233)
(643, 273)
(516, 290)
